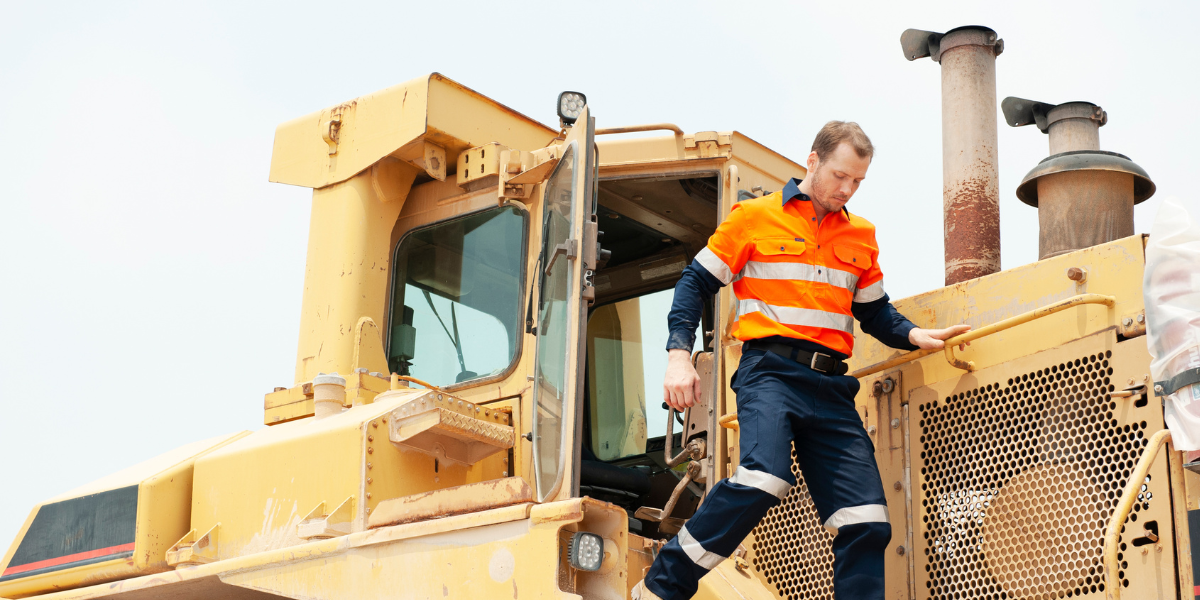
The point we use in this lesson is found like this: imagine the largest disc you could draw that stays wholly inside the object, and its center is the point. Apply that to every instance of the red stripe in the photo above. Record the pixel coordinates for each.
(1196, 591)
(70, 558)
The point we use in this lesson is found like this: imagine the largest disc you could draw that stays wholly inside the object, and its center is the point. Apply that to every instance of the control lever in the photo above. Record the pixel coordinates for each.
(693, 451)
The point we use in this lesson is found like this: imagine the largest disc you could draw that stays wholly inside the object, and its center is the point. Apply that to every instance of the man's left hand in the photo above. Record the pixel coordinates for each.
(930, 339)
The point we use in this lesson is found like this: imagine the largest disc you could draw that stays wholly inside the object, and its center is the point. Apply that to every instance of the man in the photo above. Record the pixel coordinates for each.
(802, 267)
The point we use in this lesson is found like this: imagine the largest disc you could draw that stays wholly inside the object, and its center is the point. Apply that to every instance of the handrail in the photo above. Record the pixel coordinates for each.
(1044, 311)
(973, 335)
(637, 128)
(1112, 537)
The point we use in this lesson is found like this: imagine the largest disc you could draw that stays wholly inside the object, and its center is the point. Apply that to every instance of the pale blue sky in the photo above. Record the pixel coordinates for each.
(151, 276)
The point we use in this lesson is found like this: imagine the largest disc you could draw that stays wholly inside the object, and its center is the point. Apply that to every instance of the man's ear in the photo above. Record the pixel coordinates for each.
(813, 160)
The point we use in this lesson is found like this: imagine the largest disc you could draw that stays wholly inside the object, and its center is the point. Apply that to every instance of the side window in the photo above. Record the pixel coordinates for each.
(627, 358)
(456, 298)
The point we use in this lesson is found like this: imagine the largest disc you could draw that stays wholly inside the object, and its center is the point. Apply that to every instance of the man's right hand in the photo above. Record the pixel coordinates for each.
(681, 385)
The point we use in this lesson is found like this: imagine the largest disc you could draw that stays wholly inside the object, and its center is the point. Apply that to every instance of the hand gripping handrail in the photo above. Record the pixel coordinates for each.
(975, 334)
(1112, 537)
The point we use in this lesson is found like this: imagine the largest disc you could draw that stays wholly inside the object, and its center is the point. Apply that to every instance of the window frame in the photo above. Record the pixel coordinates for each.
(522, 290)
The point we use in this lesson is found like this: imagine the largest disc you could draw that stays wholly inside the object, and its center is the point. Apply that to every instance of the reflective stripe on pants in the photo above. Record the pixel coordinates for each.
(780, 401)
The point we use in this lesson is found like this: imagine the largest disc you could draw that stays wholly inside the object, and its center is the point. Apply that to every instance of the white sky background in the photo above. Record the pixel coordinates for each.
(150, 276)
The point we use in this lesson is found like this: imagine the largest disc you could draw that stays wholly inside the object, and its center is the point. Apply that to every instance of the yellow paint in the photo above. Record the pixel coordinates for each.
(378, 169)
(164, 492)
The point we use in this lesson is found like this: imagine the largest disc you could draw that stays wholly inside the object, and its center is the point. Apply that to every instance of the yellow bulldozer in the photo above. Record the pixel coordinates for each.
(475, 411)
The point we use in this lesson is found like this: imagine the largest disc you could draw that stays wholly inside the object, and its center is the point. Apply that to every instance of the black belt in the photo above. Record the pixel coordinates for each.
(817, 361)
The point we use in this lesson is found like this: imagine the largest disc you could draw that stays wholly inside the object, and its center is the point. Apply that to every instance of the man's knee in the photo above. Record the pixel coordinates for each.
(864, 537)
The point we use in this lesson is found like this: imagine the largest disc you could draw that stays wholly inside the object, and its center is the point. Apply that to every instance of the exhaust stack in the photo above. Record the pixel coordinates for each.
(1084, 195)
(970, 171)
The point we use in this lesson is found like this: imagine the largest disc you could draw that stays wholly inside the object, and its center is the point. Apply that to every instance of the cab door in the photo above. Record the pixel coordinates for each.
(564, 289)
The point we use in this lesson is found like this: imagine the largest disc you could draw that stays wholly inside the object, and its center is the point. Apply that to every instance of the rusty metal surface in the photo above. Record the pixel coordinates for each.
(1088, 160)
(472, 497)
(1079, 209)
(970, 172)
(1070, 125)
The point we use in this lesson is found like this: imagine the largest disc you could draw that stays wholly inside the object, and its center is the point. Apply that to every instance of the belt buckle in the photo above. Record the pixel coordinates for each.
(812, 364)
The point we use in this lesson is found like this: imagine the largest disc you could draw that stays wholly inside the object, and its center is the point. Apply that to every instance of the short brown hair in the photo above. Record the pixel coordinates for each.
(836, 132)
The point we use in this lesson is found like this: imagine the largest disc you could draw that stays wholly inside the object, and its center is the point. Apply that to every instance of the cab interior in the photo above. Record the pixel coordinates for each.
(653, 227)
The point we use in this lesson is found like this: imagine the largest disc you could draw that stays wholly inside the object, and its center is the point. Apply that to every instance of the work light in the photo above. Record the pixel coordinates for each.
(570, 106)
(586, 551)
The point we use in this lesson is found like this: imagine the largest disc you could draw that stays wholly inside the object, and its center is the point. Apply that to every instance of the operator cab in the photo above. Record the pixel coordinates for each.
(653, 227)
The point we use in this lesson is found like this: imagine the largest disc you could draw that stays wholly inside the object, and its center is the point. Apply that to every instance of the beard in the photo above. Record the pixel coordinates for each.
(823, 194)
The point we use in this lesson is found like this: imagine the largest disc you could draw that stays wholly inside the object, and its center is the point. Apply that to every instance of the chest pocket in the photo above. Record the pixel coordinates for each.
(856, 259)
(780, 246)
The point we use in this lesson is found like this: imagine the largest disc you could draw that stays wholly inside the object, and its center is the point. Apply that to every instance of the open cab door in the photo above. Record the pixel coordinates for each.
(565, 288)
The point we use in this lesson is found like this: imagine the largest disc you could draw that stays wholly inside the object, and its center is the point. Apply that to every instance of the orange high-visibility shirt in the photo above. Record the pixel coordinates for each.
(795, 277)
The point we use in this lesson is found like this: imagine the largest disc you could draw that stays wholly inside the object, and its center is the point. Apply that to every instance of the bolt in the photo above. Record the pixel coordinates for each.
(368, 465)
(369, 481)
(1158, 547)
(1077, 274)
(368, 495)
(895, 423)
(370, 450)
(1128, 322)
(504, 473)
(898, 486)
(1145, 378)
(1145, 550)
(375, 424)
(900, 550)
(888, 385)
(360, 370)
(1130, 381)
(1158, 389)
(1141, 317)
(877, 389)
(871, 430)
(370, 438)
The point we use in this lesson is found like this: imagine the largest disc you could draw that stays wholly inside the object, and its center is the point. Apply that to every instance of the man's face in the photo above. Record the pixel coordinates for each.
(835, 179)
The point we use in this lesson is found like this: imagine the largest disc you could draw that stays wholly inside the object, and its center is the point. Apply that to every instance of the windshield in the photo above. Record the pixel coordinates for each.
(456, 298)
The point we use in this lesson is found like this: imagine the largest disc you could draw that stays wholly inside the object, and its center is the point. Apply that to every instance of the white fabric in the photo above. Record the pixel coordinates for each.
(800, 272)
(867, 513)
(790, 315)
(1171, 287)
(696, 552)
(870, 293)
(714, 265)
(762, 481)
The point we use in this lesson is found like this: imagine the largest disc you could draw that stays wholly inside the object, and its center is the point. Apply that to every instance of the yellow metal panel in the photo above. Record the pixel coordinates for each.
(371, 127)
(260, 488)
(1114, 269)
(727, 582)
(346, 275)
(492, 554)
(1021, 464)
(164, 495)
(395, 121)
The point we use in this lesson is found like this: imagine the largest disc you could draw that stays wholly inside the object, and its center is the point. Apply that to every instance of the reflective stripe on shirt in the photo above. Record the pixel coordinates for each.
(870, 293)
(804, 317)
(799, 272)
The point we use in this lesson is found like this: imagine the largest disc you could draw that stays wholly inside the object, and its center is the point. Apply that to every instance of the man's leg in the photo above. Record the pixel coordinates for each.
(735, 505)
(838, 461)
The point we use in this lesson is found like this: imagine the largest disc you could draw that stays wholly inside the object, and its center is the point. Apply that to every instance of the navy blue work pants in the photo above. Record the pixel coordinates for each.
(780, 400)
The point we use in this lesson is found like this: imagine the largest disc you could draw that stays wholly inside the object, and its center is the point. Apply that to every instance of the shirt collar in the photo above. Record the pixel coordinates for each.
(791, 191)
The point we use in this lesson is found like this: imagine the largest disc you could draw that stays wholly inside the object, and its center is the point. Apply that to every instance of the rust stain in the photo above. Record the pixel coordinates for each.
(972, 226)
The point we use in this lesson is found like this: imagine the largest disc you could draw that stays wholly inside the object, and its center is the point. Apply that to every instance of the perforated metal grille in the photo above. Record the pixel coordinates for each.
(791, 547)
(1019, 480)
